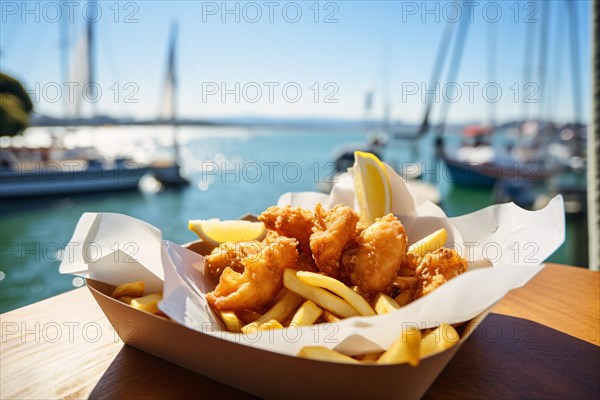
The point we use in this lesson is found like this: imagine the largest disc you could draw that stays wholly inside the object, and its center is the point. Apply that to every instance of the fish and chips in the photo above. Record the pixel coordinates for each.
(326, 265)
(323, 266)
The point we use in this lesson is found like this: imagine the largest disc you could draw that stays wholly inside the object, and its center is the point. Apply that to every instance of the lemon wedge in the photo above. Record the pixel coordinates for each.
(217, 231)
(429, 243)
(371, 186)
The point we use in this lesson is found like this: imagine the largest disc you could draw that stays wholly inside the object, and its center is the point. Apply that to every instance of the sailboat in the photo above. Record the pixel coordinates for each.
(477, 163)
(57, 170)
(168, 172)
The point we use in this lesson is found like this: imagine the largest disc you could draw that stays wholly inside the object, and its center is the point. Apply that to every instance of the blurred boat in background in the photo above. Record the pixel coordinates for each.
(58, 169)
(343, 159)
(53, 171)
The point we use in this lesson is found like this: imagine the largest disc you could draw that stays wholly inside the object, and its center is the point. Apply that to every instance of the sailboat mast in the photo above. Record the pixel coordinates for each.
(440, 60)
(64, 60)
(171, 73)
(171, 85)
(558, 59)
(527, 60)
(491, 70)
(453, 70)
(91, 70)
(545, 8)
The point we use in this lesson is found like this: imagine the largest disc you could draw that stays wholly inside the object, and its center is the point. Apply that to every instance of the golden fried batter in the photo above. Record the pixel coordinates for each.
(409, 264)
(270, 236)
(230, 255)
(261, 280)
(333, 231)
(292, 222)
(437, 268)
(374, 261)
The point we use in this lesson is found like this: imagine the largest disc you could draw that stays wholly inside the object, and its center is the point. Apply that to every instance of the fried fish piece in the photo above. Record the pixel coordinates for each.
(373, 262)
(261, 280)
(270, 236)
(292, 222)
(333, 231)
(230, 255)
(437, 268)
(409, 264)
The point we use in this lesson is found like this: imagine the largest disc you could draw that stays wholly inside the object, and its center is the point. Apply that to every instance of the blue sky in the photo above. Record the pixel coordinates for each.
(337, 58)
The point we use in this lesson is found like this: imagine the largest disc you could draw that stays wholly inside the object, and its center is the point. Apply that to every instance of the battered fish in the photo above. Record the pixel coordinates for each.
(292, 222)
(333, 231)
(437, 268)
(374, 260)
(261, 280)
(230, 255)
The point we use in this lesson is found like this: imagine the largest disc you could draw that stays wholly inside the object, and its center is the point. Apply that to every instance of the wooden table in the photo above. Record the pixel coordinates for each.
(541, 341)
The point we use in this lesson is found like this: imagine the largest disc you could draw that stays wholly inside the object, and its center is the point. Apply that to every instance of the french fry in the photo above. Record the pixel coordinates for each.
(359, 291)
(247, 315)
(324, 354)
(321, 297)
(287, 303)
(125, 299)
(438, 340)
(404, 298)
(404, 350)
(254, 327)
(328, 316)
(337, 287)
(132, 289)
(307, 314)
(384, 304)
(232, 322)
(148, 303)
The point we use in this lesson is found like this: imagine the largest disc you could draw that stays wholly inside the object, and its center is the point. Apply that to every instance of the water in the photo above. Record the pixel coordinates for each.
(262, 165)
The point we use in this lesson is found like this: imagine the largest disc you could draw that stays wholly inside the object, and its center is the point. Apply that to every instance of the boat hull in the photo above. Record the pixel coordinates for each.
(470, 175)
(14, 184)
(486, 175)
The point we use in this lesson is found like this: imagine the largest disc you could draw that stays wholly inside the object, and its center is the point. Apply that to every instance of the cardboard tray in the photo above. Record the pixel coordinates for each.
(264, 373)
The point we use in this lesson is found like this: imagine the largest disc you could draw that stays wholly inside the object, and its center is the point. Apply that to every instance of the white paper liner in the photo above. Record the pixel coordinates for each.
(504, 245)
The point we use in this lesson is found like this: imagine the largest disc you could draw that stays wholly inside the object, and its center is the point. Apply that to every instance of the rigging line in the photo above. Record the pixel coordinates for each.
(545, 6)
(527, 67)
(113, 64)
(575, 66)
(64, 60)
(438, 66)
(459, 45)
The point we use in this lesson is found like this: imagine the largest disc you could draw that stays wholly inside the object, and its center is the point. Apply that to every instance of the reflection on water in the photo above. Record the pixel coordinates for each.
(233, 172)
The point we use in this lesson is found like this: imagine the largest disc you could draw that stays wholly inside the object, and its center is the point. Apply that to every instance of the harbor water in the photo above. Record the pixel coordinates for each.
(233, 171)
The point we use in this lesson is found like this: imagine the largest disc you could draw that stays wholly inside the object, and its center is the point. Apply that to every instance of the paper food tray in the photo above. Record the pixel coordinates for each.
(267, 374)
(268, 367)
